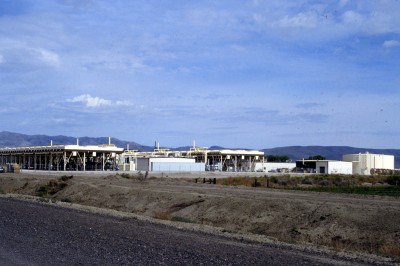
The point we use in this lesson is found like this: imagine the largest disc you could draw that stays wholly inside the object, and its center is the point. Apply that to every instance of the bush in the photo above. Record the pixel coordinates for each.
(393, 180)
(124, 175)
(66, 177)
(181, 219)
(50, 188)
(307, 181)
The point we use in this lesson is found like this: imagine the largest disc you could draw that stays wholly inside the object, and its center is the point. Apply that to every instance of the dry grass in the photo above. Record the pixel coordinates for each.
(237, 181)
(354, 184)
(340, 244)
(162, 215)
(390, 249)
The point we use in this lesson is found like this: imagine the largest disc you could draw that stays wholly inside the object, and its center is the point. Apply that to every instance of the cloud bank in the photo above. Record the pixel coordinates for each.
(246, 73)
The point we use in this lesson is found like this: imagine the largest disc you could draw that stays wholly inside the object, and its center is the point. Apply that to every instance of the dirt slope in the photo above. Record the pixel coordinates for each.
(344, 222)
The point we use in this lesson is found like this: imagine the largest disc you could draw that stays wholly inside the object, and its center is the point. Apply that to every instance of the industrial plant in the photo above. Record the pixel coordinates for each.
(108, 157)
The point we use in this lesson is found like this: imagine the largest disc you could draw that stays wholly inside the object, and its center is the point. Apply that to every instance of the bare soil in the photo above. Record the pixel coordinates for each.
(342, 222)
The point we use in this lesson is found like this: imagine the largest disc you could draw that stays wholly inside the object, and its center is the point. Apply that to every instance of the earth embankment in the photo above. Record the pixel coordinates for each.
(339, 221)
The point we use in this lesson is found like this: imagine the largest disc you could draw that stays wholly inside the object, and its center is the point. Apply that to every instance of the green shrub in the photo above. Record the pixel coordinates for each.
(393, 180)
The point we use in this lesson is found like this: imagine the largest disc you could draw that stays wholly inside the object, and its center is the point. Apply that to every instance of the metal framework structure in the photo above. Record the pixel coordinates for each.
(214, 160)
(226, 160)
(62, 157)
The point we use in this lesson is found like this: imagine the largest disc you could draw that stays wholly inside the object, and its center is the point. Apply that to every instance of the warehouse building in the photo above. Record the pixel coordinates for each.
(324, 167)
(368, 163)
(334, 167)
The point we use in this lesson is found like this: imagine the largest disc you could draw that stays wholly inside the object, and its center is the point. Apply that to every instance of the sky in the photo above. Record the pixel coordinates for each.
(239, 74)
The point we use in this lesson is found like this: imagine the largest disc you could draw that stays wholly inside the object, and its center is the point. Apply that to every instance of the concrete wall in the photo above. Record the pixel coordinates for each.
(168, 164)
(172, 160)
(143, 164)
(177, 167)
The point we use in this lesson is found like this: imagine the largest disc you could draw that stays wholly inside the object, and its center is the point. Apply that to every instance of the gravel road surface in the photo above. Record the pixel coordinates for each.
(44, 234)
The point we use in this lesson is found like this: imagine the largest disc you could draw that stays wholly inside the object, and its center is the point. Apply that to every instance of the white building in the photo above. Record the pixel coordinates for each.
(334, 167)
(363, 163)
(324, 166)
(169, 164)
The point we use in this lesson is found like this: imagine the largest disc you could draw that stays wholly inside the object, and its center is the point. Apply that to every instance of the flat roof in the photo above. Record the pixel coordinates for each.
(229, 152)
(61, 148)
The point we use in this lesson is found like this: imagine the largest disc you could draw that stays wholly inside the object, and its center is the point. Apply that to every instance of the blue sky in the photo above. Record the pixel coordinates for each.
(254, 74)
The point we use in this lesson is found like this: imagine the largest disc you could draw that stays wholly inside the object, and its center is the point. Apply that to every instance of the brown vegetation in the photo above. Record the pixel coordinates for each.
(240, 204)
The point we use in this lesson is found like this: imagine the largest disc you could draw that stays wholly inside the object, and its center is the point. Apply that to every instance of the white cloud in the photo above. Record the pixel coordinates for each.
(24, 53)
(300, 20)
(90, 101)
(123, 103)
(342, 3)
(391, 43)
(94, 102)
(352, 18)
(48, 57)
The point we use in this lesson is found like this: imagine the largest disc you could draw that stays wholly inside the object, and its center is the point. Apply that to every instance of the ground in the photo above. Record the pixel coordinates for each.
(343, 222)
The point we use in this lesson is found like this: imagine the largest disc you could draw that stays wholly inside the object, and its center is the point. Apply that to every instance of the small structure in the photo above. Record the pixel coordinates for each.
(324, 167)
(368, 163)
(62, 157)
(334, 167)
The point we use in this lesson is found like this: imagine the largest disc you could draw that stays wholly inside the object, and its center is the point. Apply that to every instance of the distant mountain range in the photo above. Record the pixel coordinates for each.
(10, 139)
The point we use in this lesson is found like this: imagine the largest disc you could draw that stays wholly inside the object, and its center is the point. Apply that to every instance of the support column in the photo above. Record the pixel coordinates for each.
(102, 164)
(65, 160)
(84, 161)
(235, 163)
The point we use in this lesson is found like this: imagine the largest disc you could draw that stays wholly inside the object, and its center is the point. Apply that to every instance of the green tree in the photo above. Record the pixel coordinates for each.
(316, 157)
(277, 158)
